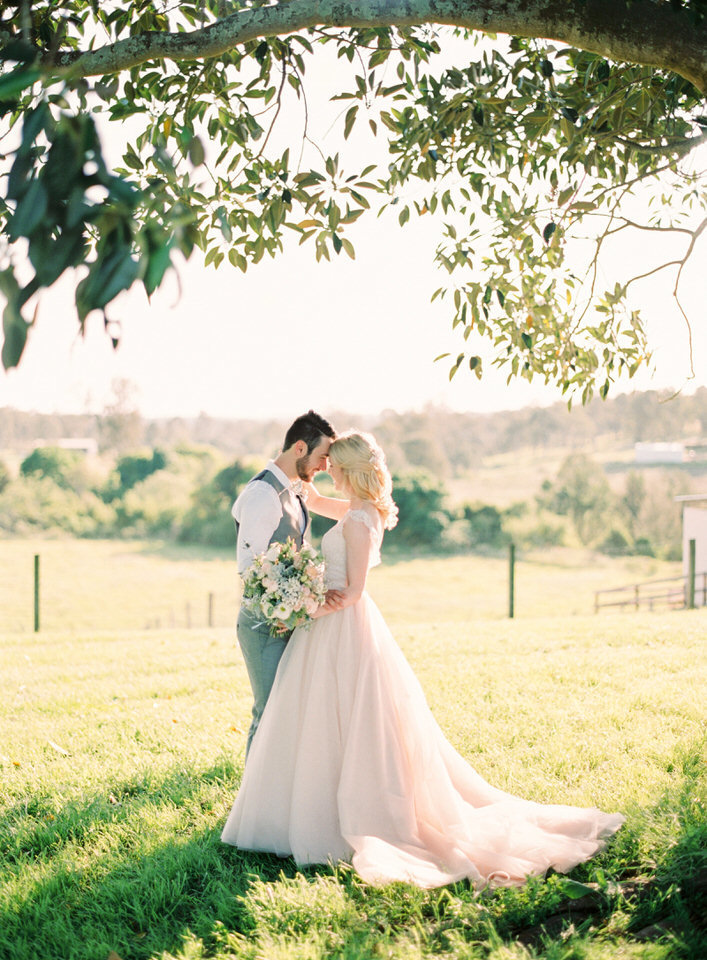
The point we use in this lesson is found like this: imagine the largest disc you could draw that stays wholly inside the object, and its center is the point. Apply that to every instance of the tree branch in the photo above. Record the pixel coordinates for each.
(645, 31)
(688, 253)
(679, 148)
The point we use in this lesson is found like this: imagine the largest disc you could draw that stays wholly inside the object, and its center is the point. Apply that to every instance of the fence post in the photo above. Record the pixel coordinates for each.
(691, 577)
(36, 593)
(511, 579)
(637, 600)
(211, 609)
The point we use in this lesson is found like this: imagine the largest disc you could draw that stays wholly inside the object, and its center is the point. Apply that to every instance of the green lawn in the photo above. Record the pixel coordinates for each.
(121, 751)
(128, 585)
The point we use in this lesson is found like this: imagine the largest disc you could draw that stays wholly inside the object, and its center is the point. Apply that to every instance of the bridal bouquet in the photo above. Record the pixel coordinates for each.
(285, 585)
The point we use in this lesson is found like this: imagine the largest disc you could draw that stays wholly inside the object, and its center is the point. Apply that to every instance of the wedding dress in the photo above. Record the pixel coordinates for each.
(348, 763)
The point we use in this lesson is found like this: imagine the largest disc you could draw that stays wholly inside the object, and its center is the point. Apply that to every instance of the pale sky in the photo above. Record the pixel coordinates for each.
(290, 334)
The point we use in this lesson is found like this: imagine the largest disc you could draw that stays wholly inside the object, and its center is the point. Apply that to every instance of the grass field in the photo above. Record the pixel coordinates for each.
(114, 584)
(122, 749)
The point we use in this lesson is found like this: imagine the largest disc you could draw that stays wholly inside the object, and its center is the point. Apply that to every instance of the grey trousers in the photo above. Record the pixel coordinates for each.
(261, 652)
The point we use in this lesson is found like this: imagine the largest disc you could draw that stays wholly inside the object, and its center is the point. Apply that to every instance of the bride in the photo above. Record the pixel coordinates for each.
(348, 762)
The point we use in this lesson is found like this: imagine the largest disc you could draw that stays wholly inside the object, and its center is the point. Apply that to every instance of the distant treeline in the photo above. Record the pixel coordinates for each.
(185, 493)
(437, 440)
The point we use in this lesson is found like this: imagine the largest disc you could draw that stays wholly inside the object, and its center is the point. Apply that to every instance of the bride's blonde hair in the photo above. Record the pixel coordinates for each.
(365, 470)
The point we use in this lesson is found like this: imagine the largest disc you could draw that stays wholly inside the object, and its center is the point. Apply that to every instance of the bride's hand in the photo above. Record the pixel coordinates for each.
(333, 601)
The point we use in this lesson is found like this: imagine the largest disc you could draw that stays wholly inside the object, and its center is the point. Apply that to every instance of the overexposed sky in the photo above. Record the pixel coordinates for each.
(347, 335)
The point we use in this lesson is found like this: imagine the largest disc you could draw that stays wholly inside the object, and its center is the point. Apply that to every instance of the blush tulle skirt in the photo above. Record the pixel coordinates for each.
(348, 763)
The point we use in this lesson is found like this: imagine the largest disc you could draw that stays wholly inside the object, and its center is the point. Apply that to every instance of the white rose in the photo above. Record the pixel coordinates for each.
(272, 552)
(282, 612)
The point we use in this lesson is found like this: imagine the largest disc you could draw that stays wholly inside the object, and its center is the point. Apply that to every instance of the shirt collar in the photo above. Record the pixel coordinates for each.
(282, 476)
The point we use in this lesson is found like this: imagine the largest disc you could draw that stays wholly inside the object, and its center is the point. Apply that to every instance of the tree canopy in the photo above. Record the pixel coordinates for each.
(533, 151)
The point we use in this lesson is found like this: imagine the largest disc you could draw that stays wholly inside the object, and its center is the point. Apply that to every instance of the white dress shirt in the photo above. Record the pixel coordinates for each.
(258, 511)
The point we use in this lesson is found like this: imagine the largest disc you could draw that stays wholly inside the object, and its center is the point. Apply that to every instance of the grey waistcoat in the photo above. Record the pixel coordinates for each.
(289, 525)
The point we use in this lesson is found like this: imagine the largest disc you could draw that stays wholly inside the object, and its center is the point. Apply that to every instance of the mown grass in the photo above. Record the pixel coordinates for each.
(121, 753)
(133, 585)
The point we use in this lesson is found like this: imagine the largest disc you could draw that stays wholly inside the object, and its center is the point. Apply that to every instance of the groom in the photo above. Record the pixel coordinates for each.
(269, 509)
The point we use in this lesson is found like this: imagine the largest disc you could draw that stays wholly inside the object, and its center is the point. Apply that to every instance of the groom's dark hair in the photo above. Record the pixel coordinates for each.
(310, 427)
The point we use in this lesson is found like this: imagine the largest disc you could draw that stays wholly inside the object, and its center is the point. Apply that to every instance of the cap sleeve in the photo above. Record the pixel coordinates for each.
(375, 527)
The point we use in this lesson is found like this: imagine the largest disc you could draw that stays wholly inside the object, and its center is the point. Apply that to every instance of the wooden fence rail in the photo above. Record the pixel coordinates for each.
(673, 593)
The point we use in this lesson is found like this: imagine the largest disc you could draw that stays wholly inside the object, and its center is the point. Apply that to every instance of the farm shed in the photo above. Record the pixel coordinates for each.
(661, 452)
(694, 527)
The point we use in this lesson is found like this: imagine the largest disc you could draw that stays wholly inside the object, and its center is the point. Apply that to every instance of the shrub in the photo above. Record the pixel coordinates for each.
(643, 547)
(154, 506)
(134, 468)
(615, 544)
(35, 503)
(422, 517)
(580, 491)
(208, 518)
(52, 462)
(485, 524)
(5, 476)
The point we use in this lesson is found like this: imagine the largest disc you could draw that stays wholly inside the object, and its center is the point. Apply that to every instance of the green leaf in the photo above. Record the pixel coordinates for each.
(569, 113)
(475, 366)
(50, 256)
(107, 277)
(548, 231)
(29, 212)
(34, 121)
(13, 83)
(574, 889)
(349, 121)
(18, 50)
(107, 89)
(195, 151)
(158, 260)
(14, 325)
(455, 366)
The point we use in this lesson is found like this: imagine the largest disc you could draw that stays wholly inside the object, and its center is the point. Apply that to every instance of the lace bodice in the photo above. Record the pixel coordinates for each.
(334, 546)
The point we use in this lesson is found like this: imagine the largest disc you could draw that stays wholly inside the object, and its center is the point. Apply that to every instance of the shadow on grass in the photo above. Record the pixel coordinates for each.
(394, 554)
(176, 551)
(90, 881)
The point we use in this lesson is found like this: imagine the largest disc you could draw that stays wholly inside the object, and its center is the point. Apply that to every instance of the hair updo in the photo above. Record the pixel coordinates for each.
(366, 472)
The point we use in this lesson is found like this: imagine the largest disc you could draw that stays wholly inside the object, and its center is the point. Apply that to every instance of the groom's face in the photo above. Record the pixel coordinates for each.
(314, 462)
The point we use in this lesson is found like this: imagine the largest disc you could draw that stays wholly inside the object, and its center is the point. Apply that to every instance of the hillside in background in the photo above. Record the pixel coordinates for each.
(540, 477)
(442, 441)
